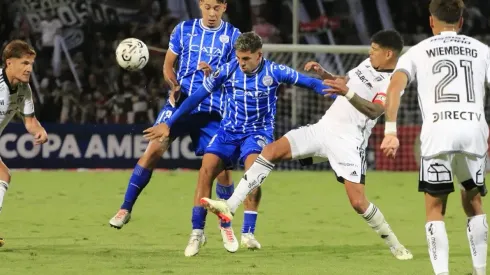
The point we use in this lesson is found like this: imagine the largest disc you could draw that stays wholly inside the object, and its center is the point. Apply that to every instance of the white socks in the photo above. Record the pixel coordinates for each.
(377, 222)
(477, 232)
(438, 246)
(4, 186)
(253, 178)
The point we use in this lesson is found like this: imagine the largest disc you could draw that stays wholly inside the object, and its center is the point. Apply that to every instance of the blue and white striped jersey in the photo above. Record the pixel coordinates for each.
(251, 98)
(193, 42)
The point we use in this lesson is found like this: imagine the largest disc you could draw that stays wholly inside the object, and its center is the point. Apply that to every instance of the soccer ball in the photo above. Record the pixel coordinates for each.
(132, 54)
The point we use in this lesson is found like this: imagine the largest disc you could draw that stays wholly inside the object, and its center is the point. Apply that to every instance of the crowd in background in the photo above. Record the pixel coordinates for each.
(109, 94)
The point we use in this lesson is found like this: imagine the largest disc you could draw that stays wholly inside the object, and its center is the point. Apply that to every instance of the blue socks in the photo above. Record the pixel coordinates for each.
(138, 181)
(224, 192)
(249, 220)
(199, 217)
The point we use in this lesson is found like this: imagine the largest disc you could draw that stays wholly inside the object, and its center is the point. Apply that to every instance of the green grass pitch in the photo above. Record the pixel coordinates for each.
(57, 223)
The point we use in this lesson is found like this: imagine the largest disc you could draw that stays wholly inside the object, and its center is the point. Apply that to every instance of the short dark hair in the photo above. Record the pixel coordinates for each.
(389, 39)
(449, 11)
(248, 41)
(16, 49)
(220, 1)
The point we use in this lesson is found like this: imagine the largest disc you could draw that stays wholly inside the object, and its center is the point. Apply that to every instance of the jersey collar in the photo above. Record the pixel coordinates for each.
(6, 79)
(384, 70)
(448, 33)
(211, 29)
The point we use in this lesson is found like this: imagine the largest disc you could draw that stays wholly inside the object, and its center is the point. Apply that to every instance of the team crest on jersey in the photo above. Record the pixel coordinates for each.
(20, 99)
(216, 73)
(379, 78)
(267, 80)
(224, 38)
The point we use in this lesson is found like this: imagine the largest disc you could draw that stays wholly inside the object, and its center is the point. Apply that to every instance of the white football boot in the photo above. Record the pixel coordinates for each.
(230, 242)
(220, 208)
(121, 218)
(248, 241)
(401, 253)
(196, 240)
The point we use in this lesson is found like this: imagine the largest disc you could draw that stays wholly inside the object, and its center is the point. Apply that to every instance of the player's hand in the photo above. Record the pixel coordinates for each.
(315, 66)
(205, 67)
(40, 137)
(337, 87)
(390, 145)
(174, 95)
(160, 132)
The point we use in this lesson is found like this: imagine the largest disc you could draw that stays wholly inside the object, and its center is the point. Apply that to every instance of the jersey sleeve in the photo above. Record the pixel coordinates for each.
(175, 44)
(284, 74)
(217, 78)
(488, 67)
(27, 105)
(406, 65)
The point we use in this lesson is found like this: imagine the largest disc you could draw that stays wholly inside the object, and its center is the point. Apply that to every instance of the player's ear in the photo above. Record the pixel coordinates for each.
(225, 5)
(431, 22)
(461, 21)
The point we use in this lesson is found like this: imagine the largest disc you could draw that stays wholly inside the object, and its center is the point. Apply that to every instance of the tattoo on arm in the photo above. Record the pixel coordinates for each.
(368, 108)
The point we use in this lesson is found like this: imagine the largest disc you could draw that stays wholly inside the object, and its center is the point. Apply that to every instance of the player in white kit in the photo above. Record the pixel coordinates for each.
(16, 98)
(341, 136)
(451, 72)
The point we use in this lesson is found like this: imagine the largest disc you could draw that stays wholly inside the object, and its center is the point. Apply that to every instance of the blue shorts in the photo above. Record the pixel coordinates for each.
(200, 126)
(233, 147)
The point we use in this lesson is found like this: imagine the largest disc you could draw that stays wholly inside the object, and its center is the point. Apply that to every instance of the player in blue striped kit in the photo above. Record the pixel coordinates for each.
(210, 40)
(250, 85)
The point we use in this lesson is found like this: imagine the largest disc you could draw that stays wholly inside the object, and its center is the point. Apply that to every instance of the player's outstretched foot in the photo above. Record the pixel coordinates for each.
(220, 208)
(248, 241)
(196, 240)
(401, 253)
(230, 242)
(121, 218)
(2, 242)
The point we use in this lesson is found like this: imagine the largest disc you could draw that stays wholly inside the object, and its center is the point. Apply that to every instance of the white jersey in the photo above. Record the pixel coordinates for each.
(368, 83)
(14, 101)
(451, 71)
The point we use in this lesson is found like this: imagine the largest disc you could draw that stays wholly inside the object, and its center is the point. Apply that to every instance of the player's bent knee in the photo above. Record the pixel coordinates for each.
(472, 203)
(277, 151)
(153, 153)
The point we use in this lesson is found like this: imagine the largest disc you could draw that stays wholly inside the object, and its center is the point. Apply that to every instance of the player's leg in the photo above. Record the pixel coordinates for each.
(349, 163)
(436, 181)
(468, 170)
(251, 206)
(143, 170)
(207, 126)
(218, 157)
(4, 186)
(290, 146)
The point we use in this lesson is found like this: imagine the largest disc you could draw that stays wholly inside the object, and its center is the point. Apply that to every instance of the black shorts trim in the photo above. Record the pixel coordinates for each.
(470, 185)
(342, 180)
(436, 189)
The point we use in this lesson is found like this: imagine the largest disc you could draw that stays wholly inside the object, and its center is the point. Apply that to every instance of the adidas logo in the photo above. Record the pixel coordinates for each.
(353, 174)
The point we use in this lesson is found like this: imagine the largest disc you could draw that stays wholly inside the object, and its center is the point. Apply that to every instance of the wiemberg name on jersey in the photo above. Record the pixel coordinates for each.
(452, 50)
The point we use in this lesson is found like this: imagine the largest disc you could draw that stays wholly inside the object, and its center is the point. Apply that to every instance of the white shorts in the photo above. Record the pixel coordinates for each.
(316, 143)
(437, 173)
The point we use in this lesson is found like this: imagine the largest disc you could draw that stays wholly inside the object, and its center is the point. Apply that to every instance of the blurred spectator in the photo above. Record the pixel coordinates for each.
(50, 27)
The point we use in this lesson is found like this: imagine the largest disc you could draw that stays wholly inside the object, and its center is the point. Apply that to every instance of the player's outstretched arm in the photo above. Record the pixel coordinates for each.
(372, 109)
(320, 71)
(34, 128)
(284, 74)
(398, 83)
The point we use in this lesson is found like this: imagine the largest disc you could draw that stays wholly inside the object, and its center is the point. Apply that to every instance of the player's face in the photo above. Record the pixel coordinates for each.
(248, 61)
(212, 11)
(378, 55)
(21, 68)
